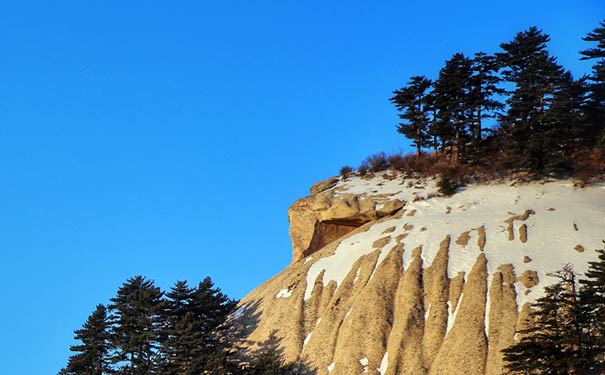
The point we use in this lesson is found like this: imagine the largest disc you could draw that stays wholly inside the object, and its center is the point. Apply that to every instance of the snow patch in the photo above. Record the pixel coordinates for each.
(357, 275)
(338, 265)
(384, 364)
(488, 305)
(331, 367)
(551, 235)
(347, 314)
(364, 362)
(284, 293)
(452, 314)
(238, 313)
(307, 339)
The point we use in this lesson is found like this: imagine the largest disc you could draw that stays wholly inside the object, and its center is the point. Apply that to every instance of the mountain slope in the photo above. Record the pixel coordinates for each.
(390, 278)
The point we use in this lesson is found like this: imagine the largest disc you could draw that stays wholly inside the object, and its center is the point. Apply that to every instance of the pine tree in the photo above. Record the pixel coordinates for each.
(596, 110)
(93, 354)
(592, 297)
(412, 102)
(554, 343)
(565, 125)
(484, 94)
(181, 332)
(137, 316)
(452, 100)
(536, 76)
(212, 307)
(194, 318)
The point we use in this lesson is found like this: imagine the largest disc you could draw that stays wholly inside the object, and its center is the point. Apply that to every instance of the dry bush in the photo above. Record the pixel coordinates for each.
(397, 162)
(457, 174)
(345, 172)
(494, 162)
(589, 165)
(411, 163)
(377, 162)
(363, 169)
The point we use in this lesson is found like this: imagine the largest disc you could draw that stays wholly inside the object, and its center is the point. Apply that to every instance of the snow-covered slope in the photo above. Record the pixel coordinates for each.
(439, 286)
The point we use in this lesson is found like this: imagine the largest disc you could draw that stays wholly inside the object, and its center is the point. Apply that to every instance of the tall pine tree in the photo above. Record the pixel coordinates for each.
(592, 296)
(412, 102)
(194, 318)
(555, 343)
(536, 77)
(564, 125)
(452, 101)
(137, 312)
(93, 353)
(484, 101)
(182, 333)
(596, 110)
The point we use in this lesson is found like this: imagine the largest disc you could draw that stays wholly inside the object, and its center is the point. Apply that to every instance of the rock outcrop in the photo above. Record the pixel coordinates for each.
(388, 277)
(330, 212)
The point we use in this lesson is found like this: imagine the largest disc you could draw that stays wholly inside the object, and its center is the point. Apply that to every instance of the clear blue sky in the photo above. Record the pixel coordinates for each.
(169, 138)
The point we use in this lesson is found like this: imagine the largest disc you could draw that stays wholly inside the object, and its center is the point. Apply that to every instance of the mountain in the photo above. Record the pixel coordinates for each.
(389, 277)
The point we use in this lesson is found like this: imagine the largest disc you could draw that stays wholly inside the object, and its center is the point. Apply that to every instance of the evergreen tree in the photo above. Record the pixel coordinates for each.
(596, 110)
(565, 124)
(194, 317)
(92, 355)
(181, 332)
(413, 103)
(536, 76)
(452, 101)
(555, 343)
(592, 297)
(137, 316)
(212, 307)
(485, 91)
(484, 102)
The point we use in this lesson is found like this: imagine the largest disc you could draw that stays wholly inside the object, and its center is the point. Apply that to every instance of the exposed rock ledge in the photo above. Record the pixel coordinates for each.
(330, 212)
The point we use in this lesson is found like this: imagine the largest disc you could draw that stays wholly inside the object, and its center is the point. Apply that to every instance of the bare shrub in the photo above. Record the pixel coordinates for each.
(377, 162)
(589, 165)
(363, 169)
(397, 162)
(454, 173)
(345, 172)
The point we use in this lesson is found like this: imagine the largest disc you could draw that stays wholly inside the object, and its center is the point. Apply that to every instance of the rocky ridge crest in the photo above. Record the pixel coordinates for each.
(388, 277)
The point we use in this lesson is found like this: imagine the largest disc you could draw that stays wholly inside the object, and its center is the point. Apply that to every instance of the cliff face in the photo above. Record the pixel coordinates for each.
(389, 278)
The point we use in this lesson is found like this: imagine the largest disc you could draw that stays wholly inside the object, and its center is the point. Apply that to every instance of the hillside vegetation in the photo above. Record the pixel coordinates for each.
(516, 112)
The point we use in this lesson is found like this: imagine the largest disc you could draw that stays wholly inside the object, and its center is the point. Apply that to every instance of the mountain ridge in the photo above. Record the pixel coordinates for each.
(427, 284)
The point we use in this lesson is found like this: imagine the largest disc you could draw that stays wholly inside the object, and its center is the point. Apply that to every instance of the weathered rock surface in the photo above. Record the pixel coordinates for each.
(441, 291)
(328, 214)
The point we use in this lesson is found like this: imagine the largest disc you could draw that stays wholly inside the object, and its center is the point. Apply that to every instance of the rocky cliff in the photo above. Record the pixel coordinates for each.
(389, 277)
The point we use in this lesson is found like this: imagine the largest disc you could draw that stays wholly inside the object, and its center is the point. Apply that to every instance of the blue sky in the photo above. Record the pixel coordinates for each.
(169, 138)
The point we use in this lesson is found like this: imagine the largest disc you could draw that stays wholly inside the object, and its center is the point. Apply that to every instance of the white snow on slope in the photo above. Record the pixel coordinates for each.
(364, 362)
(452, 314)
(384, 364)
(559, 209)
(338, 265)
(307, 339)
(238, 313)
(284, 293)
